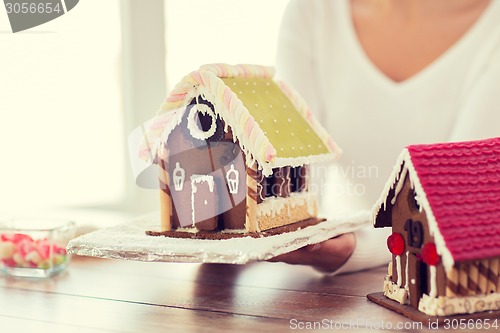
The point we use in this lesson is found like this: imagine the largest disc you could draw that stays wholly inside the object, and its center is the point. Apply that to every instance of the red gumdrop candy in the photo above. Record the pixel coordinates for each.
(60, 250)
(9, 262)
(430, 255)
(15, 238)
(25, 246)
(396, 244)
(43, 248)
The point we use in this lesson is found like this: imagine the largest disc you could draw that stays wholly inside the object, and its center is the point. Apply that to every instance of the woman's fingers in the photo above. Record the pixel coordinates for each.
(327, 256)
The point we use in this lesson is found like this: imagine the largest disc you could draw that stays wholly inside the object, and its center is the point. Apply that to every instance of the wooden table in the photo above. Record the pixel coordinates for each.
(102, 295)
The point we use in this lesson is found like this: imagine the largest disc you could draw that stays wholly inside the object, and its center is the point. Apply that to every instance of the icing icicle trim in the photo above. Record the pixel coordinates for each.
(274, 205)
(404, 162)
(400, 183)
(158, 129)
(197, 179)
(206, 83)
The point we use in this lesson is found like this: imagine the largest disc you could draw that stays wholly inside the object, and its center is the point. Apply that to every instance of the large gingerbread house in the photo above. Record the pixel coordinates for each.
(233, 147)
(443, 204)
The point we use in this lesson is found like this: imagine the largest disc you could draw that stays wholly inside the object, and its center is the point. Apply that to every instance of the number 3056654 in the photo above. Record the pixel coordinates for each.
(471, 324)
(32, 8)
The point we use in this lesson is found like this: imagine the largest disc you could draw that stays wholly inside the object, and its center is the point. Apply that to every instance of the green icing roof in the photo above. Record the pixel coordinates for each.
(289, 133)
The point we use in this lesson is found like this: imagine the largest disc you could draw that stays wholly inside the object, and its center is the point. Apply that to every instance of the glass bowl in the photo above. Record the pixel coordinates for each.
(34, 246)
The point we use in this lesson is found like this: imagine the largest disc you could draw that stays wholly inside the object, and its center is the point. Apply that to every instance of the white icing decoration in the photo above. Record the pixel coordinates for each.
(446, 306)
(178, 175)
(196, 179)
(159, 128)
(188, 229)
(398, 271)
(193, 125)
(392, 291)
(433, 278)
(233, 182)
(406, 270)
(413, 281)
(233, 231)
(279, 162)
(230, 108)
(280, 173)
(400, 184)
(273, 206)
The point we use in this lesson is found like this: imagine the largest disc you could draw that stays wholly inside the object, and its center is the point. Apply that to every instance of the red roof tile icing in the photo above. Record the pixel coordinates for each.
(462, 184)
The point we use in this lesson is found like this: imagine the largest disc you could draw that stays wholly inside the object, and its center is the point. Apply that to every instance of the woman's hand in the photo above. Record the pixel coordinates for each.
(327, 256)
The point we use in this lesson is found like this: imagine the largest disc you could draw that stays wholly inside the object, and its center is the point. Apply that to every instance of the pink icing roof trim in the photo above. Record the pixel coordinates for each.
(242, 70)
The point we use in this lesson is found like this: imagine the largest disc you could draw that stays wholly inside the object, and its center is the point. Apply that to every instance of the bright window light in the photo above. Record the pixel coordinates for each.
(233, 32)
(61, 126)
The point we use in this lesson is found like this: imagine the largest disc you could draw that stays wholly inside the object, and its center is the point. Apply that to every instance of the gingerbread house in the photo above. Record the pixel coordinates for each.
(443, 204)
(233, 147)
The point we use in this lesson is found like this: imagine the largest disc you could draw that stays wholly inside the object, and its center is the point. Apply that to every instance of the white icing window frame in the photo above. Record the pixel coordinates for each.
(194, 122)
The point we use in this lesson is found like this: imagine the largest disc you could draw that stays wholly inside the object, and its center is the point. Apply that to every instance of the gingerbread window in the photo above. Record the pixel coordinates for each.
(202, 121)
(298, 179)
(278, 184)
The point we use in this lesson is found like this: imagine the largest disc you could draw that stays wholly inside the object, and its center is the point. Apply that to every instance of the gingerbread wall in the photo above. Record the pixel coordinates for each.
(209, 205)
(411, 222)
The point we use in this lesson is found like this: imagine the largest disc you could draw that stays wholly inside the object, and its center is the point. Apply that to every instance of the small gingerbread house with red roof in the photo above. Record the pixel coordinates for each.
(443, 204)
(233, 147)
